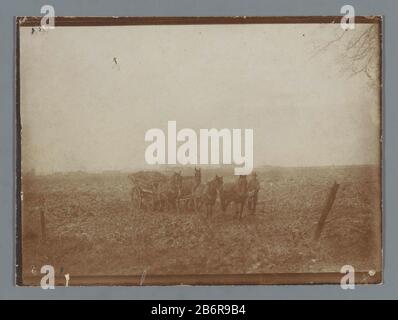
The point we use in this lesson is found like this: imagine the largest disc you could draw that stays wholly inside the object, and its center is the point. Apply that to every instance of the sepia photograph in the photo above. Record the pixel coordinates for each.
(199, 151)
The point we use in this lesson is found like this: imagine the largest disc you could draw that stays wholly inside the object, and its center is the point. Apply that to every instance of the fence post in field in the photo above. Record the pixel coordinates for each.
(326, 210)
(43, 223)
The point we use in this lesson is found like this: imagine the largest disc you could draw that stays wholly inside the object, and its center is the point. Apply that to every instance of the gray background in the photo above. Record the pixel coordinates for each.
(11, 8)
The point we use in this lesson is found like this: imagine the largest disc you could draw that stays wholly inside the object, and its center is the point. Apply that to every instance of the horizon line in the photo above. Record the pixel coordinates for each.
(209, 167)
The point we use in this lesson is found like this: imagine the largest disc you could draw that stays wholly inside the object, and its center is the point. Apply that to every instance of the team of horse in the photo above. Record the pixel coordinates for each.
(191, 193)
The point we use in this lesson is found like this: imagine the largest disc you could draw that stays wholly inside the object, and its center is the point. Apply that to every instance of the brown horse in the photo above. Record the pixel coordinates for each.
(235, 192)
(168, 192)
(207, 194)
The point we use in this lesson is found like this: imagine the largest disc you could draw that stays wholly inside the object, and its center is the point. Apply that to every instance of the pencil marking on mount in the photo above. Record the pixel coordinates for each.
(67, 278)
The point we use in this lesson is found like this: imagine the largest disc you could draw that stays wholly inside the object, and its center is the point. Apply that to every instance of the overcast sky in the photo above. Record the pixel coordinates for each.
(82, 111)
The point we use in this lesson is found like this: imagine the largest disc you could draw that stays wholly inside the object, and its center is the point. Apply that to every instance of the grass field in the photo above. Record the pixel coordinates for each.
(92, 227)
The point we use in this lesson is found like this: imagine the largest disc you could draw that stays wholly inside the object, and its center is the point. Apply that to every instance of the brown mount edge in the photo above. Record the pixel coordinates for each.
(121, 21)
(17, 135)
(212, 279)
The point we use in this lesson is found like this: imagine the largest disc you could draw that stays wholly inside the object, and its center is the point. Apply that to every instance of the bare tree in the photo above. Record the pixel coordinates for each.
(360, 52)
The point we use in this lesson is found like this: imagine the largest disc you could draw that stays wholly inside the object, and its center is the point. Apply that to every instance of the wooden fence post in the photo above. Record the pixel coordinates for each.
(326, 210)
(43, 222)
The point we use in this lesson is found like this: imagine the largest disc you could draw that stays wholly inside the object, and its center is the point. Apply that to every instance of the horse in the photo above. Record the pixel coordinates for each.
(189, 184)
(235, 192)
(207, 194)
(168, 192)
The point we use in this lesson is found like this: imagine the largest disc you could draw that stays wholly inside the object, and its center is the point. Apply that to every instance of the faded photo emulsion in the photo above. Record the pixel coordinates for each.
(199, 151)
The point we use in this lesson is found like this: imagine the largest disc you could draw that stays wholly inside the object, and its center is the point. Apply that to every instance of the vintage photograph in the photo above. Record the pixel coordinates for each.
(167, 151)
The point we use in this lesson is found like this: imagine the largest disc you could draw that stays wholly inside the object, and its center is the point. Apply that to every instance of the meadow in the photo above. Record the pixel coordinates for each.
(92, 227)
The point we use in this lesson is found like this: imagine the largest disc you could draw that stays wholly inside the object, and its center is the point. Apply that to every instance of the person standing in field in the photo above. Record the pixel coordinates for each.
(253, 189)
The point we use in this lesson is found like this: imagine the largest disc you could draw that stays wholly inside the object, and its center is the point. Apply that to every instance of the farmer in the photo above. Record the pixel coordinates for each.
(253, 188)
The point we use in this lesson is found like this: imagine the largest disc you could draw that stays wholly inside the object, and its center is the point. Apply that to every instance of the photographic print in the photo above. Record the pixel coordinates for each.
(166, 151)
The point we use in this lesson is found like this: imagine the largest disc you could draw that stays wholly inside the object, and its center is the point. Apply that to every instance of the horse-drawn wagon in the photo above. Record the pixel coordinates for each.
(155, 191)
(144, 188)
